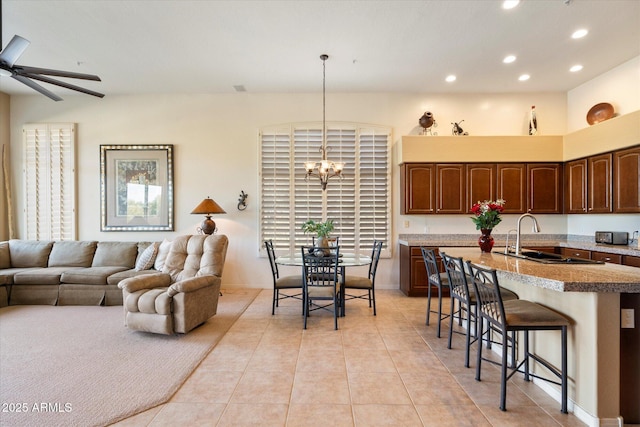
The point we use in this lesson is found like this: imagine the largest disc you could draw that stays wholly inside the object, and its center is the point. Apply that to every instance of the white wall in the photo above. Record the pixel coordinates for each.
(216, 152)
(620, 87)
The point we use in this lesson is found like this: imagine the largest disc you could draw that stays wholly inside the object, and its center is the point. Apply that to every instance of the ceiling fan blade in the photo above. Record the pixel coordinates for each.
(37, 87)
(49, 72)
(14, 49)
(63, 84)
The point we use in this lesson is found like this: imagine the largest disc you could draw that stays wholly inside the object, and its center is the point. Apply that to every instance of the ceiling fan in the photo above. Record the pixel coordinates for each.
(25, 74)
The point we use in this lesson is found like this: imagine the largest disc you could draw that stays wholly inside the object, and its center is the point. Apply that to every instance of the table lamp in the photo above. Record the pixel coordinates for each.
(207, 208)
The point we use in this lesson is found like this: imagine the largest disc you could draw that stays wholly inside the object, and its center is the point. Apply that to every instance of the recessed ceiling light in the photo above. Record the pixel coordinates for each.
(575, 68)
(509, 59)
(510, 4)
(451, 78)
(578, 34)
(524, 77)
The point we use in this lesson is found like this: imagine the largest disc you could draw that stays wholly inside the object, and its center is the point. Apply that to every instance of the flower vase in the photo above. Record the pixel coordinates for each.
(485, 241)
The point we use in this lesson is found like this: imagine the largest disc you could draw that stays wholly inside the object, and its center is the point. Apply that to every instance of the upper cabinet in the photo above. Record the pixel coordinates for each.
(626, 173)
(480, 183)
(450, 189)
(417, 188)
(512, 186)
(599, 183)
(575, 186)
(544, 188)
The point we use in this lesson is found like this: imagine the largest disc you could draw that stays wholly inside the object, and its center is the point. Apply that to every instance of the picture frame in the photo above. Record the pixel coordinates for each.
(136, 187)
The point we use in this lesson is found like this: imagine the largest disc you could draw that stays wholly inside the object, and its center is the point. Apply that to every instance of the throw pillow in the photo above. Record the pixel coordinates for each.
(147, 258)
(163, 251)
(5, 258)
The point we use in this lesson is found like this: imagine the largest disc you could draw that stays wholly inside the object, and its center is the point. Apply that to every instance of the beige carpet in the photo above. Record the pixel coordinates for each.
(79, 366)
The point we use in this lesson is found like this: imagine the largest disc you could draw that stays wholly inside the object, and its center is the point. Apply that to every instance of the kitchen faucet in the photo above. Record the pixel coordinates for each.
(536, 229)
(507, 248)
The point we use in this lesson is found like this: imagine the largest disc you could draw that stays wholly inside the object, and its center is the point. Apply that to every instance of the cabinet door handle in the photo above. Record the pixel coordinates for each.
(607, 259)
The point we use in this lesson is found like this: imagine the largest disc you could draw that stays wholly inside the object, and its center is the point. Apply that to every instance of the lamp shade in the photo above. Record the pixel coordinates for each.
(207, 207)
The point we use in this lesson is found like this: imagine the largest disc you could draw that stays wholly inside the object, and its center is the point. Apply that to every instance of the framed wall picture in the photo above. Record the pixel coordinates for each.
(136, 187)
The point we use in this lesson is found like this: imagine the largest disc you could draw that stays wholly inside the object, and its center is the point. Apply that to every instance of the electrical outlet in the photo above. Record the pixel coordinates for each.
(406, 224)
(627, 318)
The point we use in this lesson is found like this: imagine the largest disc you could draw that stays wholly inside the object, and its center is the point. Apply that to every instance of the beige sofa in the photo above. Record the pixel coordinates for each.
(78, 272)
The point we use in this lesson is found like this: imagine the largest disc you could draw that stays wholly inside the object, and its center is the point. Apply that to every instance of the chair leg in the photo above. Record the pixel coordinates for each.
(479, 330)
(526, 356)
(563, 404)
(451, 323)
(468, 338)
(429, 303)
(373, 295)
(306, 311)
(439, 309)
(335, 312)
(273, 305)
(503, 374)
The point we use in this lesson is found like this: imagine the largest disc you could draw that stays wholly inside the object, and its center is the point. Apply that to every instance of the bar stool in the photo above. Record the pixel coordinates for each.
(437, 279)
(467, 310)
(517, 315)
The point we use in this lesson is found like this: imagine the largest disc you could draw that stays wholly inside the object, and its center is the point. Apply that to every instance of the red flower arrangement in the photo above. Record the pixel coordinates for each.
(487, 213)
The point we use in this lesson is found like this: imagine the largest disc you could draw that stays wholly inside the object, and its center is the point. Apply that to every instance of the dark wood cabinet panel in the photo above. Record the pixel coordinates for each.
(599, 183)
(575, 186)
(575, 253)
(481, 183)
(633, 261)
(626, 173)
(413, 273)
(417, 188)
(450, 189)
(606, 257)
(544, 188)
(511, 186)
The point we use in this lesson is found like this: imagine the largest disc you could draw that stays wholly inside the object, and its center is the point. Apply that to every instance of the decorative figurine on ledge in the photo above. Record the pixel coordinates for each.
(427, 121)
(457, 130)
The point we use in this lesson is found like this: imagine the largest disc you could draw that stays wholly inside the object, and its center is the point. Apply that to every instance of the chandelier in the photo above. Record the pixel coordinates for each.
(325, 169)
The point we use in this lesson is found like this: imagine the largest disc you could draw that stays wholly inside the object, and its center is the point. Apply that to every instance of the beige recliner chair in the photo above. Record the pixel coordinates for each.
(185, 294)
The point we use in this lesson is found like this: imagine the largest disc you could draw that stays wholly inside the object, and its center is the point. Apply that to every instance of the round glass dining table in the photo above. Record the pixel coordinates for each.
(346, 260)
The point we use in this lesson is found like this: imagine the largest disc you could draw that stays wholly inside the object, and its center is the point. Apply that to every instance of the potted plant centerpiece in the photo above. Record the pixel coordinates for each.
(487, 216)
(322, 230)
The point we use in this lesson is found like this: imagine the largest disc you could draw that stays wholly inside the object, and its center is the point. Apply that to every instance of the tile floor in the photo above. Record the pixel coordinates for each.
(387, 370)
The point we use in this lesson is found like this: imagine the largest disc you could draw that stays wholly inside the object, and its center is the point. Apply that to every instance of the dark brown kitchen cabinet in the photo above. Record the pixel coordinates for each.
(599, 183)
(631, 260)
(413, 273)
(511, 186)
(481, 183)
(544, 188)
(575, 253)
(450, 189)
(575, 186)
(417, 188)
(626, 184)
(606, 257)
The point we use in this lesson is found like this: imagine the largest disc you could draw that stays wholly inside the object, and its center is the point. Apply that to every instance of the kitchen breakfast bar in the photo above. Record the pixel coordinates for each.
(602, 386)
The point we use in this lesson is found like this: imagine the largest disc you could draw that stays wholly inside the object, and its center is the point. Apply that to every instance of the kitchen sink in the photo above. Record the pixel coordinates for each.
(547, 258)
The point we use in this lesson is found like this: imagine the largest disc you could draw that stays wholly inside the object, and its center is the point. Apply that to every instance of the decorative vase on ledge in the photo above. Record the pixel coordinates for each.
(485, 241)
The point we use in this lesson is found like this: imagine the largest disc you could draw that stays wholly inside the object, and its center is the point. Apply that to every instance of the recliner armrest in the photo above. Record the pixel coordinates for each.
(192, 284)
(146, 281)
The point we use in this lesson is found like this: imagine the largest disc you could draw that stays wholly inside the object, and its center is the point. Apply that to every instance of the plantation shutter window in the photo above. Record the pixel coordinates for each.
(359, 204)
(49, 181)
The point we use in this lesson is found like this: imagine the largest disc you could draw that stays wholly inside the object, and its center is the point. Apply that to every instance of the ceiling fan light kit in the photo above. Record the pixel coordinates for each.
(26, 75)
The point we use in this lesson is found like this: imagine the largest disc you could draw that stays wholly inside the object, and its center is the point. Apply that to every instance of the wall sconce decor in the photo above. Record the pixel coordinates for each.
(242, 201)
(207, 208)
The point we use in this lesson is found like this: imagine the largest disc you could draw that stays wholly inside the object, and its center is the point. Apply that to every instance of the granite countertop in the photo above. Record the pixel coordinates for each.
(528, 240)
(564, 278)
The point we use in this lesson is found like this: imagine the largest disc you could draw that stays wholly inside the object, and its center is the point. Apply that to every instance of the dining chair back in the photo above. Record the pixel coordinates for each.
(281, 283)
(368, 283)
(466, 309)
(437, 279)
(517, 316)
(320, 281)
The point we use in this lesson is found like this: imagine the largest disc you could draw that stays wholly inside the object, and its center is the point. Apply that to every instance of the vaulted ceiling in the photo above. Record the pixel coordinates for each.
(142, 46)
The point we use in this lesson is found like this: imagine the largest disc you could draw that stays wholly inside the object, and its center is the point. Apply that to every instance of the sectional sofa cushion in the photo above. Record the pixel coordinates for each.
(29, 253)
(163, 251)
(114, 279)
(90, 276)
(122, 254)
(72, 254)
(41, 276)
(5, 255)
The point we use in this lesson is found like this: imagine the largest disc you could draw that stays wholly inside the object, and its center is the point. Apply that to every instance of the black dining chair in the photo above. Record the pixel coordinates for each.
(517, 316)
(368, 283)
(321, 286)
(437, 279)
(281, 283)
